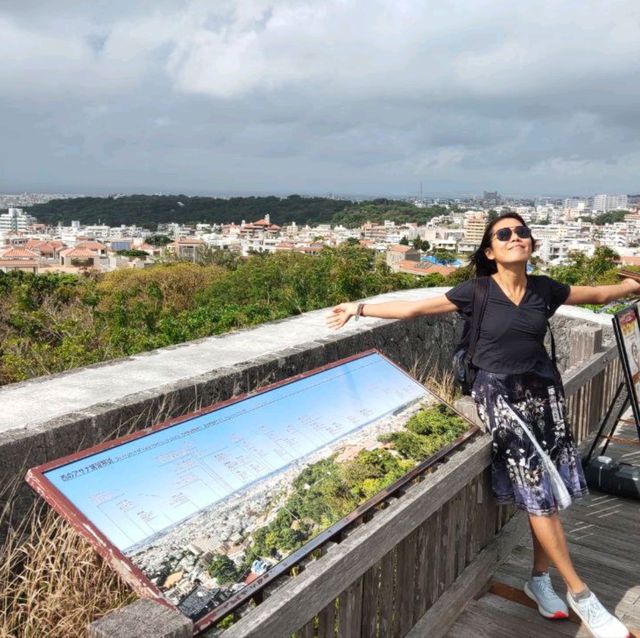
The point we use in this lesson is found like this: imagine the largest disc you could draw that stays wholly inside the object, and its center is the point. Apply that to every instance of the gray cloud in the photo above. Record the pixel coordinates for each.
(322, 95)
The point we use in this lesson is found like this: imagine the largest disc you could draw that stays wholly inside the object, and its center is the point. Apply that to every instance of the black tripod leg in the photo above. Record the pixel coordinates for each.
(605, 420)
(623, 407)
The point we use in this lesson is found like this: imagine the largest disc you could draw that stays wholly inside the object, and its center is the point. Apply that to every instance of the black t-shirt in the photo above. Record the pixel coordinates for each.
(511, 337)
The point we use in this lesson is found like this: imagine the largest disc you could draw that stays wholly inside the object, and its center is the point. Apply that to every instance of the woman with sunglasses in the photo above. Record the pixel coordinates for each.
(517, 385)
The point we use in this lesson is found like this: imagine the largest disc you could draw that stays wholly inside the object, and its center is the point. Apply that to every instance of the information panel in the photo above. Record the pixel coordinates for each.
(626, 325)
(200, 509)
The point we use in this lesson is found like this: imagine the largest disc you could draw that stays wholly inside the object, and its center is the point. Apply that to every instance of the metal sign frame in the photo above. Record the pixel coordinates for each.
(135, 577)
(620, 319)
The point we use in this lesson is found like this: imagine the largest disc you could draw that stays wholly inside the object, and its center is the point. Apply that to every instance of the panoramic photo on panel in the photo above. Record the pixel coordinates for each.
(206, 506)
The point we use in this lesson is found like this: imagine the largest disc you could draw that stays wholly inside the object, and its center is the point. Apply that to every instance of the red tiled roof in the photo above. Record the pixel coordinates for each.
(91, 245)
(19, 253)
(399, 248)
(250, 578)
(18, 263)
(41, 246)
(78, 253)
(424, 268)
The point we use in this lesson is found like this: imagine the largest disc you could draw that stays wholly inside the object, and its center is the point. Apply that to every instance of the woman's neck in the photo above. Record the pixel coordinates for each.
(512, 276)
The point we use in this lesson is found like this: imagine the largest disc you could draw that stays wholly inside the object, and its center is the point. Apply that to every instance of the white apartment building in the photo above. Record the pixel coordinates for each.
(16, 220)
(557, 252)
(603, 203)
(97, 232)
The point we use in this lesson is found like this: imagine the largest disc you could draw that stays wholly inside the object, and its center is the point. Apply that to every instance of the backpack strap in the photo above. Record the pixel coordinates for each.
(480, 298)
(553, 344)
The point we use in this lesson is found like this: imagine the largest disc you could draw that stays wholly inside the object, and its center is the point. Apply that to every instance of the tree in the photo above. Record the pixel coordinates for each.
(223, 569)
(588, 271)
(421, 244)
(444, 256)
(133, 253)
(158, 240)
(612, 217)
(404, 241)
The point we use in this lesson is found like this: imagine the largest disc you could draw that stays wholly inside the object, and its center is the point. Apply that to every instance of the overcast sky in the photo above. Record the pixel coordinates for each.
(317, 96)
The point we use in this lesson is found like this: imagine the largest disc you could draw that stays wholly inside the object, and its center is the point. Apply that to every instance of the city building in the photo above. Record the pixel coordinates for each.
(398, 253)
(19, 258)
(474, 225)
(16, 220)
(603, 203)
(186, 248)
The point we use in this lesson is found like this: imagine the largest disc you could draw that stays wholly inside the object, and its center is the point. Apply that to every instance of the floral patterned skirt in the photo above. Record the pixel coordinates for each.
(518, 473)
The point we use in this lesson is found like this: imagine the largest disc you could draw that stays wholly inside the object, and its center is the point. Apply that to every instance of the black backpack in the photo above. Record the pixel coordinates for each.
(464, 372)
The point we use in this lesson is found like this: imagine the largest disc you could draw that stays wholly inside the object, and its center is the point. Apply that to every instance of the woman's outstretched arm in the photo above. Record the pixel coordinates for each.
(602, 294)
(390, 310)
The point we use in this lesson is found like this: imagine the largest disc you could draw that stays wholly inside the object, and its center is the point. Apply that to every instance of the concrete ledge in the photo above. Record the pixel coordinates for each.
(142, 619)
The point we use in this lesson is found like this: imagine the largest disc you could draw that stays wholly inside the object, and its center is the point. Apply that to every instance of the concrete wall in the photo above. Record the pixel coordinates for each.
(49, 417)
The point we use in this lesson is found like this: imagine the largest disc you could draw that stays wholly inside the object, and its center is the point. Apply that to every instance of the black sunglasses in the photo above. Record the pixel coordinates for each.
(504, 234)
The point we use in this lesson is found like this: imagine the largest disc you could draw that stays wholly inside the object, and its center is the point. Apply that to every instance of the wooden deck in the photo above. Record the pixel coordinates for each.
(603, 532)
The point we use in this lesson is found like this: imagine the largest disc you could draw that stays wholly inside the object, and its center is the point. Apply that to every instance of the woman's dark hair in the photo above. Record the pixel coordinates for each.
(482, 265)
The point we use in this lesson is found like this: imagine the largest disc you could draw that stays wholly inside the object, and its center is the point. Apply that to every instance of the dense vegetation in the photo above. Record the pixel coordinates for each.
(611, 217)
(327, 491)
(581, 270)
(378, 210)
(150, 210)
(53, 322)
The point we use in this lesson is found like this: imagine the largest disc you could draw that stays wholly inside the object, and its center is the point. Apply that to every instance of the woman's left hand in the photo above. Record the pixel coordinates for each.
(632, 285)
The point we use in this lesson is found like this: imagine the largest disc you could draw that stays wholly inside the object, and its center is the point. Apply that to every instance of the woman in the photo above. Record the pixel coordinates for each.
(518, 385)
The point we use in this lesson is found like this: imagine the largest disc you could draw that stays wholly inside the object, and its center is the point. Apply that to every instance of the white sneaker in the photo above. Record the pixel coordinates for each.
(541, 591)
(597, 619)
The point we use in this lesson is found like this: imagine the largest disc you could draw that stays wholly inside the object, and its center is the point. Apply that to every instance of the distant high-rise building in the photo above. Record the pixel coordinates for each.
(604, 203)
(491, 197)
(575, 203)
(16, 220)
(474, 223)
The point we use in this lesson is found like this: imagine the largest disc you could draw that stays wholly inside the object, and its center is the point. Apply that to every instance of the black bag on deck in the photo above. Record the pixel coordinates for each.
(464, 372)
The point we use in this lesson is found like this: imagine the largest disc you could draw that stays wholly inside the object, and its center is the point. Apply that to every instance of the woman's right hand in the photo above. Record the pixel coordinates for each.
(340, 314)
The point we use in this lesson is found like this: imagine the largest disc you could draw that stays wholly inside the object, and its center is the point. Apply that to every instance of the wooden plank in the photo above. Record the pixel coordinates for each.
(307, 631)
(327, 621)
(387, 577)
(305, 595)
(461, 532)
(370, 600)
(434, 588)
(405, 584)
(445, 543)
(422, 570)
(397, 591)
(451, 547)
(595, 364)
(471, 513)
(437, 620)
(350, 611)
